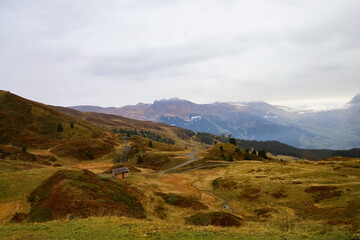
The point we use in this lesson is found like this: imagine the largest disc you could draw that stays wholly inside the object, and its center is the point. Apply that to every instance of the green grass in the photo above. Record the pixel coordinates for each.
(124, 228)
(17, 185)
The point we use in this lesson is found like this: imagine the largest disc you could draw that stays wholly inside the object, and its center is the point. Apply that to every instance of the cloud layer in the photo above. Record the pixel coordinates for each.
(113, 53)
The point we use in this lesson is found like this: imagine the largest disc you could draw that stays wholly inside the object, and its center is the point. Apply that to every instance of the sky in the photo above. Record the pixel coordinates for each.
(303, 53)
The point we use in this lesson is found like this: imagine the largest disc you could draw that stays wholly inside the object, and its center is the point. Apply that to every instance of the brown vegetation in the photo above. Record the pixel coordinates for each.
(182, 201)
(221, 219)
(73, 194)
(323, 192)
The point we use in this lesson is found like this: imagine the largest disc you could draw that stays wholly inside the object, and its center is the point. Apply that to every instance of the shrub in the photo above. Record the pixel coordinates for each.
(60, 128)
(248, 156)
(214, 218)
(40, 215)
(171, 199)
(89, 155)
(262, 154)
(232, 141)
(139, 159)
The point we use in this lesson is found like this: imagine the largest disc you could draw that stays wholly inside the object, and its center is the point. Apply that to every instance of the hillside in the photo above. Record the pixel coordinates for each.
(24, 122)
(39, 131)
(114, 122)
(334, 129)
(39, 134)
(79, 194)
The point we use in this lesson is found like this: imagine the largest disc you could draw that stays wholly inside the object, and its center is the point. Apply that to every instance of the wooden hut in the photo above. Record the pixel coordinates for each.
(120, 172)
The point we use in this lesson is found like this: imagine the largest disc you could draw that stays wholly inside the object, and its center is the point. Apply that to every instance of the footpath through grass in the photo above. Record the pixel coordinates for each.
(124, 228)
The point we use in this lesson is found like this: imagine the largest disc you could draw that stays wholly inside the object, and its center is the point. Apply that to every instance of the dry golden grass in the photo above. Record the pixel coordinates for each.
(8, 209)
(268, 195)
(266, 192)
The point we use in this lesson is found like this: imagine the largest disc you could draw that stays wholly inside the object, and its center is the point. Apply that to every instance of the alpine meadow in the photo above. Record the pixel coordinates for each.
(137, 119)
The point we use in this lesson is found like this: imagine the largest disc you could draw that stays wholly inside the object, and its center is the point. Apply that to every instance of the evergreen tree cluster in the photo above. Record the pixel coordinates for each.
(147, 134)
(205, 138)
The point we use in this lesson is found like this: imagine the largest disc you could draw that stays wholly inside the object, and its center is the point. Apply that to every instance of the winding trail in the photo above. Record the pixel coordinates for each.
(192, 159)
(226, 202)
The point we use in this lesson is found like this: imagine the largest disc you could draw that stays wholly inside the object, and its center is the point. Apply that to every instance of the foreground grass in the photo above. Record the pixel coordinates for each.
(124, 228)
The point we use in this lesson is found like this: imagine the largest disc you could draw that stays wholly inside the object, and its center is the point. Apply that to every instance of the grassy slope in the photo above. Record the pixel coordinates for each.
(32, 124)
(286, 220)
(107, 121)
(26, 125)
(124, 228)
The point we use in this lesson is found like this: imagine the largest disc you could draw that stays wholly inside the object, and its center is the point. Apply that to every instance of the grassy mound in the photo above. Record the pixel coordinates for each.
(181, 201)
(323, 192)
(159, 160)
(85, 149)
(70, 193)
(221, 219)
(224, 151)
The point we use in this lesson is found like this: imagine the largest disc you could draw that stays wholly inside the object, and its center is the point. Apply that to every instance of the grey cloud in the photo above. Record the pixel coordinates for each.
(329, 68)
(155, 60)
(227, 49)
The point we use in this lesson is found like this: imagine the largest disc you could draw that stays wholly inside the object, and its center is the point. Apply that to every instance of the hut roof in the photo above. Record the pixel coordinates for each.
(120, 170)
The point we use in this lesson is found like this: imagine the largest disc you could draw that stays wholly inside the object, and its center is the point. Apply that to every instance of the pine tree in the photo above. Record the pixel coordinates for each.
(60, 128)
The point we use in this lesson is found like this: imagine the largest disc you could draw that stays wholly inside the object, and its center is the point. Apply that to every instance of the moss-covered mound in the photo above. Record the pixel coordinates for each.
(71, 193)
(221, 219)
(181, 201)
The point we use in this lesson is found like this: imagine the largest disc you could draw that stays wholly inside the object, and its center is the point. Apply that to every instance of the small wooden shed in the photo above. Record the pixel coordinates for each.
(120, 172)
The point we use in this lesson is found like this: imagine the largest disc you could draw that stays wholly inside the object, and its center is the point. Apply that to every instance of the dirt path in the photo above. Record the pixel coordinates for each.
(179, 182)
(192, 159)
(225, 201)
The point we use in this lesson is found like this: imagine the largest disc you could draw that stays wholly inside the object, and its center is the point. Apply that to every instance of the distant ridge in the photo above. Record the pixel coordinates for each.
(333, 129)
(85, 135)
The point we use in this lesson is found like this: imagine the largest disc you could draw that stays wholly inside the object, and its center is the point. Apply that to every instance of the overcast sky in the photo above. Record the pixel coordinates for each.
(114, 53)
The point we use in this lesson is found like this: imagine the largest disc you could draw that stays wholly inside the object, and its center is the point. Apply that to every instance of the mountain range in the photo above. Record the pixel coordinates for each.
(331, 129)
(39, 133)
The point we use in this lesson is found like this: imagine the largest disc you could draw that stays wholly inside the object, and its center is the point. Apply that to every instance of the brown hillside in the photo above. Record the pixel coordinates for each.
(28, 124)
(111, 122)
(72, 193)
